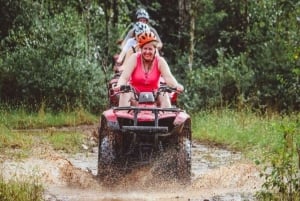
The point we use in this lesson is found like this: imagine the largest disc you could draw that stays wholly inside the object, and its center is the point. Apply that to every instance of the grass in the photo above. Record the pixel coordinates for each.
(244, 131)
(29, 190)
(22, 119)
(69, 142)
(19, 144)
(273, 141)
(11, 142)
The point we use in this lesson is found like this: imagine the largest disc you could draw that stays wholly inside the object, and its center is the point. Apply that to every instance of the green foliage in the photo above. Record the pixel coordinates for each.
(17, 141)
(50, 64)
(244, 130)
(221, 85)
(57, 53)
(272, 46)
(21, 118)
(70, 142)
(27, 190)
(282, 181)
(275, 140)
(13, 140)
(246, 55)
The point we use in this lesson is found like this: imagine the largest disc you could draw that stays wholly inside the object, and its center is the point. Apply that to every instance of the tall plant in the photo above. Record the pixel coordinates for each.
(282, 181)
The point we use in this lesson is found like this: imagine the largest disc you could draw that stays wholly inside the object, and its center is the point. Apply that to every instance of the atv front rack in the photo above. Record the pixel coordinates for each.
(146, 129)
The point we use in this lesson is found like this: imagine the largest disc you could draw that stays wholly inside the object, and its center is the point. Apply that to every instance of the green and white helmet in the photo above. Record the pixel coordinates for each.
(142, 13)
(140, 27)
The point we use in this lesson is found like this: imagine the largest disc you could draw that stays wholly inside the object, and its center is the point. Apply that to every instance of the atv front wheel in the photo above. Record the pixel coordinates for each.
(184, 152)
(106, 153)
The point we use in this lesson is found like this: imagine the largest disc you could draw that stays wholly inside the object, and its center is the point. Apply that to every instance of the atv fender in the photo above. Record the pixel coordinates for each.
(111, 119)
(181, 118)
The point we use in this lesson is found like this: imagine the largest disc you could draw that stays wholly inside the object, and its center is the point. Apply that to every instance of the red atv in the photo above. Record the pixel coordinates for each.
(134, 136)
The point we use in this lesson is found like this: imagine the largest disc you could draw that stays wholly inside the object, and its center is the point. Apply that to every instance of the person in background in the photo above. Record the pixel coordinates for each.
(143, 71)
(131, 44)
(142, 16)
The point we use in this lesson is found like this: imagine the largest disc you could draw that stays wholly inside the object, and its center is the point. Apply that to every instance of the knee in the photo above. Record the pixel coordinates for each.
(124, 100)
(164, 100)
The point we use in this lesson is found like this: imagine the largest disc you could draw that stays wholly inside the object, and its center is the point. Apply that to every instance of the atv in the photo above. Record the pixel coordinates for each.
(138, 135)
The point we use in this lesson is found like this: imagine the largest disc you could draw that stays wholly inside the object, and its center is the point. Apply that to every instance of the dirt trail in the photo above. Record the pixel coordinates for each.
(217, 175)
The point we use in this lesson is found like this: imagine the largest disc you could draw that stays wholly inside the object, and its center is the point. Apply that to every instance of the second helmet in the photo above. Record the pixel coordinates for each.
(140, 27)
(142, 13)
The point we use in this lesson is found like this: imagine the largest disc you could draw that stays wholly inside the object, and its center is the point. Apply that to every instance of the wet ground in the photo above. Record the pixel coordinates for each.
(217, 174)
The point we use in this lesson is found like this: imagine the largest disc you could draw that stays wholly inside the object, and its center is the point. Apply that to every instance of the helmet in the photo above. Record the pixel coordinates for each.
(146, 37)
(142, 13)
(140, 27)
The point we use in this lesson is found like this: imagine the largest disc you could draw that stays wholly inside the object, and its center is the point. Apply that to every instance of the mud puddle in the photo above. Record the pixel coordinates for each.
(217, 175)
(204, 159)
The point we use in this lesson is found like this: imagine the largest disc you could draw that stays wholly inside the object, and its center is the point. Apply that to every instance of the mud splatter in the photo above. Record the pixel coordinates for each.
(218, 174)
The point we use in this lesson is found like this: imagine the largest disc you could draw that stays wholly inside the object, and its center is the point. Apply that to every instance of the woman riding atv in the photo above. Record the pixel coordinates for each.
(143, 71)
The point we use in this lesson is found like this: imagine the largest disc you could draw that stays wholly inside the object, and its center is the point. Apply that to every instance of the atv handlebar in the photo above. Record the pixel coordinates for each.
(167, 89)
(172, 91)
(125, 88)
(161, 89)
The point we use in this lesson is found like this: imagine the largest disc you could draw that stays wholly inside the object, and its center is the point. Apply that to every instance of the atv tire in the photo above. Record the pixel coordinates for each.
(184, 151)
(175, 162)
(107, 169)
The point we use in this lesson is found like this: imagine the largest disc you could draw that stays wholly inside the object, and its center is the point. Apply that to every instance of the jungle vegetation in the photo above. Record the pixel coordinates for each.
(240, 54)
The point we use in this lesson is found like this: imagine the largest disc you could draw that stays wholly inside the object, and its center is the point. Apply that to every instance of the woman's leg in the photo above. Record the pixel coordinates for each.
(124, 99)
(164, 100)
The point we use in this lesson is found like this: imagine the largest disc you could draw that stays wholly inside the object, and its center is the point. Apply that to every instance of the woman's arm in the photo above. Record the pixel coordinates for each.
(129, 35)
(160, 44)
(129, 66)
(130, 42)
(167, 75)
(121, 56)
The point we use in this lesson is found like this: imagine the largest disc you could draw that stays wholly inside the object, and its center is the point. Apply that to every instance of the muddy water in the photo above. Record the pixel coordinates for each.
(217, 174)
(204, 159)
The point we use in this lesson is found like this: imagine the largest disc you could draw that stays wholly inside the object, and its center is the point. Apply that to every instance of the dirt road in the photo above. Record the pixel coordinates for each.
(218, 174)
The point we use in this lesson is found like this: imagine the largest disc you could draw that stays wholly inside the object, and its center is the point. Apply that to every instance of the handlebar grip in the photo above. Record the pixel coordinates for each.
(168, 89)
(125, 88)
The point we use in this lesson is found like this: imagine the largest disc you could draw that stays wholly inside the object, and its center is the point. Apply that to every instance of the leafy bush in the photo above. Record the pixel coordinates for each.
(223, 85)
(50, 65)
(282, 181)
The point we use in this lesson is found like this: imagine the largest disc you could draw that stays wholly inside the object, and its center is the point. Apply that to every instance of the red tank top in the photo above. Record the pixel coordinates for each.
(142, 81)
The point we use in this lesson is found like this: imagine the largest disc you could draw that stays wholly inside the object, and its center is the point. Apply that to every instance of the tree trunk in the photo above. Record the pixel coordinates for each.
(183, 8)
(115, 12)
(192, 38)
(107, 22)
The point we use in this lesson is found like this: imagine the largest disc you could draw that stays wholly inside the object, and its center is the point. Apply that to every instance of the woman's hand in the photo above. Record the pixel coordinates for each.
(179, 88)
(119, 61)
(116, 88)
(122, 88)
